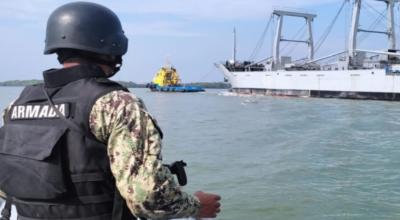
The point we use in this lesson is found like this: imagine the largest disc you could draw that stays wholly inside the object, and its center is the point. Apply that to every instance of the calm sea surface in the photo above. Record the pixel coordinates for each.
(282, 158)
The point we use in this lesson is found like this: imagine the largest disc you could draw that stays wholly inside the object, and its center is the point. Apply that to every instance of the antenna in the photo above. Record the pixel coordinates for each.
(168, 64)
(234, 45)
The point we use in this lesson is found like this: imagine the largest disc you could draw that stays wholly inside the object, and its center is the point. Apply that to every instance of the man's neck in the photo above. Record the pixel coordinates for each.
(105, 68)
(68, 65)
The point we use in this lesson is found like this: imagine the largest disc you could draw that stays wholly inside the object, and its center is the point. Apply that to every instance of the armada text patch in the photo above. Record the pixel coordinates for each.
(19, 112)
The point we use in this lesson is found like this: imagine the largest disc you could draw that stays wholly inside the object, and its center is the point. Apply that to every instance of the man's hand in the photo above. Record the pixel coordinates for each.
(209, 204)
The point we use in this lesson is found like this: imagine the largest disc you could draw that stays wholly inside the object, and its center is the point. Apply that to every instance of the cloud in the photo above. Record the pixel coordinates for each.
(159, 28)
(158, 17)
(25, 10)
(211, 9)
(175, 17)
(173, 25)
(193, 9)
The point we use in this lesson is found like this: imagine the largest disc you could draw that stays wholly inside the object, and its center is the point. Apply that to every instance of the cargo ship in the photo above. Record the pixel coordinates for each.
(353, 74)
(167, 80)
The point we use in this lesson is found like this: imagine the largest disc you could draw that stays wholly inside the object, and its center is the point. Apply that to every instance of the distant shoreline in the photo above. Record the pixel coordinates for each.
(128, 84)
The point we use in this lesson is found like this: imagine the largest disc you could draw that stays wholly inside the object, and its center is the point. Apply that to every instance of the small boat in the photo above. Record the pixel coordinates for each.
(167, 80)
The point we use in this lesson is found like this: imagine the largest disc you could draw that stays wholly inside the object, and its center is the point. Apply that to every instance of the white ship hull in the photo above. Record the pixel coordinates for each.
(357, 84)
(354, 73)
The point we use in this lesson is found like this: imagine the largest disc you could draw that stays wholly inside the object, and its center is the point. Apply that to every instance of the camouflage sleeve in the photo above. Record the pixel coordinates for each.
(134, 147)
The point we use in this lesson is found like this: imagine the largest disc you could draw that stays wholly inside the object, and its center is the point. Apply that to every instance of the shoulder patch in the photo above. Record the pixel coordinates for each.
(23, 112)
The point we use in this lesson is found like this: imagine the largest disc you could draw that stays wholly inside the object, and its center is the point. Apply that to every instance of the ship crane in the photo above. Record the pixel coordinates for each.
(276, 61)
(353, 61)
(352, 48)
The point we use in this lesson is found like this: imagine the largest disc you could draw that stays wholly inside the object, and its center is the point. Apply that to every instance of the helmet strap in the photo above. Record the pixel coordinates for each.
(116, 66)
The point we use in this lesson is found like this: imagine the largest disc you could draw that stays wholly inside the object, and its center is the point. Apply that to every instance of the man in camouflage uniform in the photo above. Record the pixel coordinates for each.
(117, 118)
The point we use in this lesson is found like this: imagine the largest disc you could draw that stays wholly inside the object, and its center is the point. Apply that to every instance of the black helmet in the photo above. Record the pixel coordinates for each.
(86, 27)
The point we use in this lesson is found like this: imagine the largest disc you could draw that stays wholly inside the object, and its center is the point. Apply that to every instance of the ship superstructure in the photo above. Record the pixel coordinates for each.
(354, 73)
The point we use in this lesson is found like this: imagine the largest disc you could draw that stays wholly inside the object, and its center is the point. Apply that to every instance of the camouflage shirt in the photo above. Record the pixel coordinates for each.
(120, 120)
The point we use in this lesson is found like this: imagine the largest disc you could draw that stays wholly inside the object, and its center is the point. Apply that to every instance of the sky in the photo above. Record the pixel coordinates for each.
(192, 35)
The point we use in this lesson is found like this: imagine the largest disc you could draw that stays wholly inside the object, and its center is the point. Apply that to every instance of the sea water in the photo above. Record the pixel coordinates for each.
(282, 158)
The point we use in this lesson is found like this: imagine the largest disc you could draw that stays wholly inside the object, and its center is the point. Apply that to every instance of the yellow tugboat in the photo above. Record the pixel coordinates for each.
(167, 80)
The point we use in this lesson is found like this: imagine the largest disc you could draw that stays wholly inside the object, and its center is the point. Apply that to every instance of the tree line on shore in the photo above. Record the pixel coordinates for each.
(128, 84)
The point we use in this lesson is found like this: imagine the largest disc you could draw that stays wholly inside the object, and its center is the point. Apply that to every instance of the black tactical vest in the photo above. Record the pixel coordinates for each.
(53, 169)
